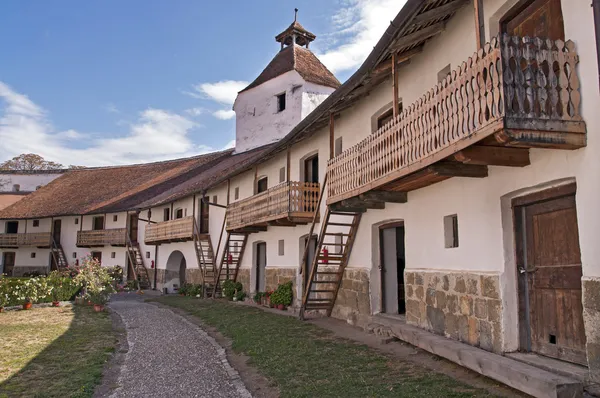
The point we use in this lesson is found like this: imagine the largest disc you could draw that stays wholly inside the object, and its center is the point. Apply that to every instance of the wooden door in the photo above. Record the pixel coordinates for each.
(8, 259)
(549, 265)
(261, 264)
(204, 206)
(98, 223)
(97, 256)
(538, 18)
(133, 227)
(311, 169)
(56, 228)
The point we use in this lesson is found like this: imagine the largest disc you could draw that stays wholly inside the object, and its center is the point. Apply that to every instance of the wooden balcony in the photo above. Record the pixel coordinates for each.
(179, 230)
(514, 94)
(41, 239)
(287, 204)
(102, 237)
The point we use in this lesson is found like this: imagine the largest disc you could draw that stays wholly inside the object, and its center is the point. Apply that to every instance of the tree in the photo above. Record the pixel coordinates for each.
(29, 161)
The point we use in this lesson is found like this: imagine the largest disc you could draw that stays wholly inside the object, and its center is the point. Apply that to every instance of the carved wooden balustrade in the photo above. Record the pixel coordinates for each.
(40, 239)
(178, 230)
(288, 203)
(102, 237)
(522, 91)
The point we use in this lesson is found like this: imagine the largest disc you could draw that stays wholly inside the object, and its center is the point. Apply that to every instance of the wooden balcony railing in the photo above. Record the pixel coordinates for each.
(41, 239)
(178, 230)
(518, 85)
(289, 202)
(102, 237)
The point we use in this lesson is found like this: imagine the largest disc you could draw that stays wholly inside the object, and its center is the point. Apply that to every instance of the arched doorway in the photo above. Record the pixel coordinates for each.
(175, 272)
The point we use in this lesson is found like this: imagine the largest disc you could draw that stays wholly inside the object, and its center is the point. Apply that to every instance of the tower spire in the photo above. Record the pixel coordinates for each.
(295, 34)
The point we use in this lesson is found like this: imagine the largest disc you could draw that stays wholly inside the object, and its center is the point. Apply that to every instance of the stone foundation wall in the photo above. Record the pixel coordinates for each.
(193, 275)
(462, 306)
(591, 318)
(353, 303)
(20, 270)
(278, 276)
(244, 278)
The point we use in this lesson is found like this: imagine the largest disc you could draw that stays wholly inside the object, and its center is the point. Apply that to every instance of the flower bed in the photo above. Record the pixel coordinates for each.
(39, 289)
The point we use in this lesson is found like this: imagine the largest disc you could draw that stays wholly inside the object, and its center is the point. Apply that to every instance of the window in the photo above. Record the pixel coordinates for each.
(443, 73)
(337, 146)
(32, 254)
(166, 214)
(16, 187)
(115, 218)
(97, 256)
(36, 223)
(98, 223)
(385, 117)
(236, 193)
(12, 227)
(147, 254)
(262, 184)
(113, 255)
(76, 221)
(281, 247)
(282, 176)
(179, 213)
(451, 231)
(74, 254)
(281, 102)
(214, 199)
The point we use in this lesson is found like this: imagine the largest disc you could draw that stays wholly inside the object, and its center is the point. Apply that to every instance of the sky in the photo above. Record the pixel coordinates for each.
(114, 82)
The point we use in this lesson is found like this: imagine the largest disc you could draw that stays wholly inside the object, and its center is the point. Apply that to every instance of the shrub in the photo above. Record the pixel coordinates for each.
(41, 289)
(258, 296)
(283, 295)
(63, 288)
(132, 285)
(230, 288)
(116, 273)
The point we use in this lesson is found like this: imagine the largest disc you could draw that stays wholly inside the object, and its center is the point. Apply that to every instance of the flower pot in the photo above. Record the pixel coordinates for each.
(26, 306)
(1, 309)
(98, 307)
(281, 307)
(56, 303)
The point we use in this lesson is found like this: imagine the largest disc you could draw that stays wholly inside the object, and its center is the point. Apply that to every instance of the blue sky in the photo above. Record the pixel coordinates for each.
(113, 82)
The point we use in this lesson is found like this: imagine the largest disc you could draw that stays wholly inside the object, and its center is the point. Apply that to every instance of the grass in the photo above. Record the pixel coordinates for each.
(53, 352)
(303, 360)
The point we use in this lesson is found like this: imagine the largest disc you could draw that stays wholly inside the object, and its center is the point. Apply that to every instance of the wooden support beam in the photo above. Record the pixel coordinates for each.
(538, 139)
(215, 204)
(394, 86)
(331, 136)
(479, 23)
(384, 196)
(228, 191)
(339, 206)
(288, 164)
(439, 12)
(360, 203)
(455, 169)
(493, 156)
(405, 56)
(418, 36)
(436, 173)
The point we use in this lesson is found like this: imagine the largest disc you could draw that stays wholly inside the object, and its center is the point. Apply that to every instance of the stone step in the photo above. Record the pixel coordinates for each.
(518, 375)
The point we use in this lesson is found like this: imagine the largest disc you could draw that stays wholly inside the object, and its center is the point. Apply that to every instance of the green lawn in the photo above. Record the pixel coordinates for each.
(304, 360)
(53, 352)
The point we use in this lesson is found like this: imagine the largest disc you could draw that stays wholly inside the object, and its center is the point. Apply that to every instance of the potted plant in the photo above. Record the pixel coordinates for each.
(99, 298)
(27, 303)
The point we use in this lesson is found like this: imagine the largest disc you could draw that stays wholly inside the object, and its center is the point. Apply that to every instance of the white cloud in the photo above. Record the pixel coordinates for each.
(157, 134)
(111, 108)
(223, 92)
(357, 25)
(196, 111)
(224, 114)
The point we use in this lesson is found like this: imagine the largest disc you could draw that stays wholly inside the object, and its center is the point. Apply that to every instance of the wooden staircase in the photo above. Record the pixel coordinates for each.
(231, 259)
(58, 255)
(338, 232)
(137, 260)
(206, 260)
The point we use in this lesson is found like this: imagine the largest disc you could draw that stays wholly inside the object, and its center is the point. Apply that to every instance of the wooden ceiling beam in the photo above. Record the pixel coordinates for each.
(418, 36)
(493, 156)
(440, 11)
(384, 196)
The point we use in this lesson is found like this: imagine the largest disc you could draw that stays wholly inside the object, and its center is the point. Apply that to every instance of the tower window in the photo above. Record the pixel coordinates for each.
(451, 231)
(281, 102)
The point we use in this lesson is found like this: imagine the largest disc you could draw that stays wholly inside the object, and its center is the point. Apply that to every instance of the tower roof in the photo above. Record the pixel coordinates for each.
(303, 61)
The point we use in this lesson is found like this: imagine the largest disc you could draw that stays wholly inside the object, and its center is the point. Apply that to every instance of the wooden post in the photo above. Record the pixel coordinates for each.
(172, 211)
(479, 23)
(287, 166)
(194, 208)
(331, 136)
(255, 180)
(395, 85)
(51, 225)
(228, 191)
(81, 223)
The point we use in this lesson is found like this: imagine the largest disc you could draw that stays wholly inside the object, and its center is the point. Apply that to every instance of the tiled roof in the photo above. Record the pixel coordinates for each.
(106, 189)
(303, 61)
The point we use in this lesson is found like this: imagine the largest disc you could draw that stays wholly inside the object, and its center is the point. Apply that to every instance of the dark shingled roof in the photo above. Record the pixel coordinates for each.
(106, 189)
(303, 61)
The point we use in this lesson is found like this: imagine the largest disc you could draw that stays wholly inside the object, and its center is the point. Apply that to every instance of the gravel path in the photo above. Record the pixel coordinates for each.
(171, 357)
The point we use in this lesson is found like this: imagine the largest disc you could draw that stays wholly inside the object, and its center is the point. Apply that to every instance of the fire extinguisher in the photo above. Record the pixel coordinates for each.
(229, 258)
(77, 262)
(152, 264)
(325, 255)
